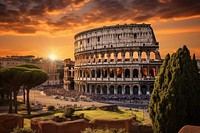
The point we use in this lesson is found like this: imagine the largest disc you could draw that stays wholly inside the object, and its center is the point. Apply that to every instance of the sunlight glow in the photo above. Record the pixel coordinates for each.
(52, 57)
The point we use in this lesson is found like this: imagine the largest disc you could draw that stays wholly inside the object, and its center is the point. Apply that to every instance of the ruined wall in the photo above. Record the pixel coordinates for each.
(9, 121)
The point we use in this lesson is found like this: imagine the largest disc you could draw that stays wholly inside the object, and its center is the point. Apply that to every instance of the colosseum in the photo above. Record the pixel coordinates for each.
(120, 59)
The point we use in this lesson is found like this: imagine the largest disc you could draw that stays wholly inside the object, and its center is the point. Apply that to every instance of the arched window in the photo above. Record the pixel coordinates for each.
(93, 88)
(93, 73)
(104, 89)
(144, 56)
(98, 73)
(112, 89)
(135, 73)
(119, 89)
(104, 72)
(127, 56)
(111, 71)
(98, 89)
(144, 90)
(119, 57)
(152, 72)
(127, 89)
(144, 72)
(135, 56)
(135, 90)
(127, 73)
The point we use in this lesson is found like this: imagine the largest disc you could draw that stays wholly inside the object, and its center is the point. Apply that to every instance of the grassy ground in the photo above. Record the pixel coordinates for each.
(122, 114)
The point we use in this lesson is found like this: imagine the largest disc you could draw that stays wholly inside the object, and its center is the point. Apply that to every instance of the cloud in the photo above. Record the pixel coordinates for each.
(60, 15)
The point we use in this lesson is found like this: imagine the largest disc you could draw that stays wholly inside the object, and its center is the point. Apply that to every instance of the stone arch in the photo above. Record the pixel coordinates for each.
(144, 72)
(93, 88)
(144, 89)
(127, 56)
(88, 88)
(135, 73)
(119, 57)
(152, 72)
(111, 72)
(135, 56)
(98, 57)
(144, 56)
(104, 72)
(127, 73)
(87, 73)
(119, 72)
(112, 57)
(152, 55)
(111, 89)
(135, 90)
(127, 89)
(119, 89)
(98, 73)
(93, 73)
(105, 59)
(151, 88)
(98, 89)
(104, 89)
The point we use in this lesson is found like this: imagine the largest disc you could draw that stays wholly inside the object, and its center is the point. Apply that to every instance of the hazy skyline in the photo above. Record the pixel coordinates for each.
(42, 27)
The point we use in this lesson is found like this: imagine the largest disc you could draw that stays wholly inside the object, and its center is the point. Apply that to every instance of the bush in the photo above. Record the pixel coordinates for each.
(68, 112)
(89, 130)
(23, 130)
(51, 108)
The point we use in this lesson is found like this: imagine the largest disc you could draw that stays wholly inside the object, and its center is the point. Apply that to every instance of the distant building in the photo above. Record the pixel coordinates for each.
(4, 62)
(50, 67)
(68, 74)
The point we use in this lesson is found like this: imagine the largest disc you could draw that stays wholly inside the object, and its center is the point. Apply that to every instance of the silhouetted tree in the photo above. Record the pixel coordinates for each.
(175, 99)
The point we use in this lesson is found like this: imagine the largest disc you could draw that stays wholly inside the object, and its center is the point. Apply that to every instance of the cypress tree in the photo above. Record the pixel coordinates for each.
(175, 100)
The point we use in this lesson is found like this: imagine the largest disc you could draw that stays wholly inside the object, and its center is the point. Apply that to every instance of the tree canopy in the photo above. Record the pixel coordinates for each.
(175, 99)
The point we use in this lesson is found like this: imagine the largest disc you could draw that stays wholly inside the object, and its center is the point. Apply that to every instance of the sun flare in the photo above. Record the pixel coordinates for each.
(52, 57)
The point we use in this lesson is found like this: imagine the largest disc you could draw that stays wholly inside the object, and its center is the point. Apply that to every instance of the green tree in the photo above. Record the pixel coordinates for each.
(36, 77)
(175, 99)
(12, 79)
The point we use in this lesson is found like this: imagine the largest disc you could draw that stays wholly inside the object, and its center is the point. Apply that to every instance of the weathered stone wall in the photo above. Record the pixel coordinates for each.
(77, 126)
(9, 121)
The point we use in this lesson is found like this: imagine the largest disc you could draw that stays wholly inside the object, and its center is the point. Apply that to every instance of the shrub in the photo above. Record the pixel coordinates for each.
(89, 130)
(68, 112)
(51, 108)
(23, 130)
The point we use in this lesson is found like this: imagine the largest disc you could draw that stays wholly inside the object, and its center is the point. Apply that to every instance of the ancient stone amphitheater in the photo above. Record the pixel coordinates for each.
(120, 59)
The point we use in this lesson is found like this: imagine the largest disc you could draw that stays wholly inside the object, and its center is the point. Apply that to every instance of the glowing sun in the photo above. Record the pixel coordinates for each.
(52, 57)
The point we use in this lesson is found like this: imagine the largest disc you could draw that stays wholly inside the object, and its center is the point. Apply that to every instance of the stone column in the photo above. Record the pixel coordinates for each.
(139, 90)
(131, 57)
(101, 76)
(148, 56)
(115, 90)
(108, 73)
(123, 89)
(90, 86)
(123, 56)
(102, 58)
(131, 73)
(115, 74)
(108, 90)
(115, 57)
(95, 69)
(108, 57)
(139, 71)
(139, 56)
(89, 59)
(131, 89)
(94, 59)
(123, 75)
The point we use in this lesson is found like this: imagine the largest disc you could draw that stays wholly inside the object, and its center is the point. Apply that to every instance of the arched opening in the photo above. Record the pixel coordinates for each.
(93, 73)
(98, 73)
(144, 56)
(144, 72)
(119, 89)
(111, 89)
(98, 89)
(127, 56)
(119, 72)
(152, 72)
(104, 72)
(127, 73)
(144, 90)
(127, 89)
(152, 56)
(84, 88)
(88, 88)
(93, 58)
(84, 72)
(135, 56)
(112, 57)
(104, 89)
(98, 57)
(80, 73)
(135, 73)
(93, 88)
(135, 90)
(111, 71)
(87, 73)
(119, 57)
(151, 89)
(105, 57)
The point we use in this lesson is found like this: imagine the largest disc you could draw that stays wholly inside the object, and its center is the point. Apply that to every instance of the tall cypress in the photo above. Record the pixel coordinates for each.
(175, 99)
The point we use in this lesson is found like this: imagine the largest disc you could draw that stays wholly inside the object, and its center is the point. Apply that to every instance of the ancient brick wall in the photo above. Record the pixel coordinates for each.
(9, 121)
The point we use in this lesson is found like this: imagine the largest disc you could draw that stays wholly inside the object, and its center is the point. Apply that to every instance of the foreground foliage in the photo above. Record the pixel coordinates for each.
(89, 130)
(175, 100)
(23, 130)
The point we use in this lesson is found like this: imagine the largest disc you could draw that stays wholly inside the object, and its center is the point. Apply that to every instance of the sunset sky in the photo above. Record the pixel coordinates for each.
(43, 27)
